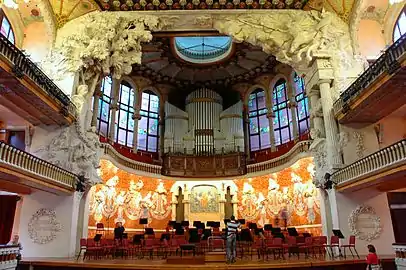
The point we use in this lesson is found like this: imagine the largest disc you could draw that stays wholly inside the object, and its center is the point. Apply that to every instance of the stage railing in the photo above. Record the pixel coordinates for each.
(13, 158)
(388, 63)
(130, 163)
(22, 65)
(300, 148)
(400, 259)
(8, 257)
(386, 158)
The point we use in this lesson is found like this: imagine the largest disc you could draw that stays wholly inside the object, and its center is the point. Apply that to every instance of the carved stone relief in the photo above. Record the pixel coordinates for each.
(359, 142)
(43, 226)
(364, 223)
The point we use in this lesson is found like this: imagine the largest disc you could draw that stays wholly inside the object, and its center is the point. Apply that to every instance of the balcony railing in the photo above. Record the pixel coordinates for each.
(400, 259)
(21, 161)
(387, 62)
(386, 158)
(300, 148)
(127, 162)
(8, 257)
(22, 65)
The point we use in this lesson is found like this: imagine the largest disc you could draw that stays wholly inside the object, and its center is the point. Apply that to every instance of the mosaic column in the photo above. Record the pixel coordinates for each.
(316, 113)
(161, 139)
(292, 105)
(97, 95)
(136, 117)
(246, 123)
(113, 109)
(270, 115)
(331, 129)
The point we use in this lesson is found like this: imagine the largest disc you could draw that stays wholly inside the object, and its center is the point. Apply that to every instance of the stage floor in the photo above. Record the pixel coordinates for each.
(143, 264)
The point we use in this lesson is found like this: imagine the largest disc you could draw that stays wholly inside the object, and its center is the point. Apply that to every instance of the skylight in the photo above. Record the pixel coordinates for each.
(203, 50)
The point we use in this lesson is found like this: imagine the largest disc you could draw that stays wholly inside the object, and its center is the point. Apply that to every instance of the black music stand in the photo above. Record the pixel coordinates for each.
(185, 223)
(252, 226)
(196, 223)
(172, 223)
(193, 236)
(97, 237)
(206, 234)
(149, 231)
(210, 223)
(241, 221)
(246, 235)
(292, 232)
(143, 221)
(258, 231)
(216, 224)
(180, 231)
(268, 227)
(338, 233)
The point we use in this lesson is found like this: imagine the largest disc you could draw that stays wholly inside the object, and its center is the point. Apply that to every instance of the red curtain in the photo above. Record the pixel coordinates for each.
(7, 211)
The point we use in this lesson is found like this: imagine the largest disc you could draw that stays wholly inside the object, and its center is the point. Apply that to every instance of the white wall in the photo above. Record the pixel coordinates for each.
(65, 215)
(346, 203)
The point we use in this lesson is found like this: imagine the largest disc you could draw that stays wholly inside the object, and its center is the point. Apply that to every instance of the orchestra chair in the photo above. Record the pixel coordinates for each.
(100, 228)
(83, 246)
(350, 245)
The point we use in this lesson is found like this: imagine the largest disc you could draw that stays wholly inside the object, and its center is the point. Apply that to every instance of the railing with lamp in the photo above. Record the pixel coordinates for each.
(387, 63)
(8, 257)
(22, 65)
(386, 158)
(13, 158)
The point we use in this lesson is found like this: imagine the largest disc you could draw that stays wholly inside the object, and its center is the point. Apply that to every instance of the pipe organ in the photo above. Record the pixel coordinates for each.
(204, 128)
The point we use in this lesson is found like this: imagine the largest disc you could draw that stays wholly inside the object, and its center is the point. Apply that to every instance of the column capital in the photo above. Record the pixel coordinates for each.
(312, 92)
(322, 81)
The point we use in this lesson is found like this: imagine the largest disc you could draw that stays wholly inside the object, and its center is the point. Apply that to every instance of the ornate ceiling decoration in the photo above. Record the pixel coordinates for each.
(67, 10)
(125, 5)
(162, 65)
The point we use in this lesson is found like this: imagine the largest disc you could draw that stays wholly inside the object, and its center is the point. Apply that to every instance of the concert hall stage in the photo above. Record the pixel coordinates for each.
(293, 263)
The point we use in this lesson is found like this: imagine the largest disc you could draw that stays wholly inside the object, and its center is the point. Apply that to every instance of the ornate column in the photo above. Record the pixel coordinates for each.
(331, 129)
(136, 117)
(316, 113)
(234, 202)
(246, 124)
(174, 202)
(292, 104)
(97, 95)
(113, 108)
(161, 138)
(186, 203)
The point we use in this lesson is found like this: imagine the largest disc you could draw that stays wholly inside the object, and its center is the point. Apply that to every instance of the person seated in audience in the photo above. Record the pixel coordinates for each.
(372, 259)
(119, 231)
(16, 242)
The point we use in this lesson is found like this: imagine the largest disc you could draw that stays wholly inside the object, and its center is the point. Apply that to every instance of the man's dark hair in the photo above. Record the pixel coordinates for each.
(232, 217)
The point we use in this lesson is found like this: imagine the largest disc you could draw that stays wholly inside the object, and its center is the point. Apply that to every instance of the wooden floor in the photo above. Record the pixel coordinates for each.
(349, 263)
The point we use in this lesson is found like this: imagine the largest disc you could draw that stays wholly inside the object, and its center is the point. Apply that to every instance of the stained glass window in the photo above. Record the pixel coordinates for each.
(302, 109)
(104, 107)
(124, 121)
(148, 124)
(258, 121)
(282, 123)
(5, 27)
(400, 26)
(203, 49)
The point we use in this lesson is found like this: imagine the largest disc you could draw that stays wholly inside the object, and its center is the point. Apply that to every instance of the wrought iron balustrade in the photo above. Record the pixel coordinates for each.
(22, 65)
(388, 157)
(387, 62)
(22, 161)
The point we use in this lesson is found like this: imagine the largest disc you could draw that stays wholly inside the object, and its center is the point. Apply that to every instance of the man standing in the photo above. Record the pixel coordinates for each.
(232, 227)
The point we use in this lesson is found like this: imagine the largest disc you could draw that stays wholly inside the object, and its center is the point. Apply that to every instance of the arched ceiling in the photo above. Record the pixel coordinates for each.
(161, 64)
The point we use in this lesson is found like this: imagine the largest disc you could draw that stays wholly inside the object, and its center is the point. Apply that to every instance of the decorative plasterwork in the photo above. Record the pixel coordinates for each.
(49, 20)
(43, 226)
(143, 5)
(364, 223)
(359, 142)
(375, 14)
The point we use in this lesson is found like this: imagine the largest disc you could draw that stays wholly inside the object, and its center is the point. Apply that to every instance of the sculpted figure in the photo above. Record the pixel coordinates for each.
(80, 98)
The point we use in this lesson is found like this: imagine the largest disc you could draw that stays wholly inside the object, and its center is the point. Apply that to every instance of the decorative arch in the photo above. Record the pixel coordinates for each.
(276, 79)
(148, 125)
(390, 20)
(282, 121)
(399, 27)
(258, 120)
(124, 121)
(251, 89)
